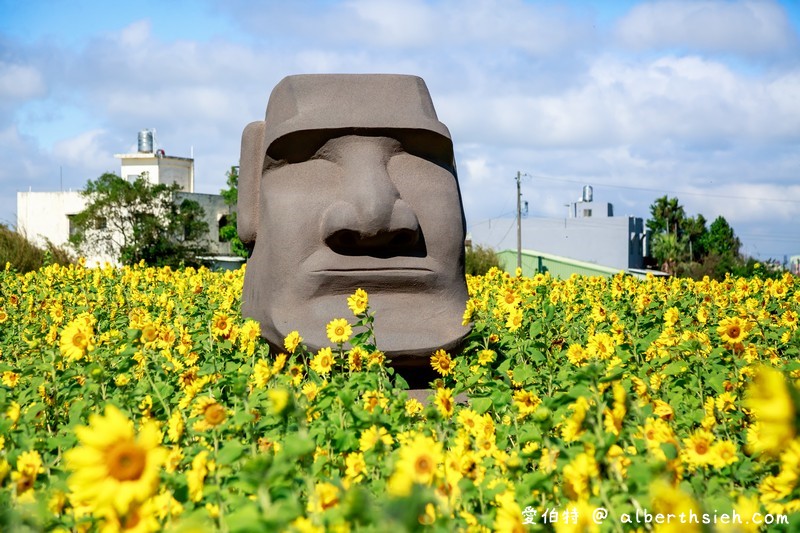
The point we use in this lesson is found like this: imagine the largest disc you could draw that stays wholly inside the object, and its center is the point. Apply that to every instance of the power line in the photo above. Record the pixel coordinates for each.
(687, 193)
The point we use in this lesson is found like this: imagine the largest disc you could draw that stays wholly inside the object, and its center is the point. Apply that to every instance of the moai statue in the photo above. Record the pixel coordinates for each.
(350, 182)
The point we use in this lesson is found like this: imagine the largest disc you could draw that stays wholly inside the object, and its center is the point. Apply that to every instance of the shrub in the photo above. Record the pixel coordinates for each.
(478, 260)
(24, 256)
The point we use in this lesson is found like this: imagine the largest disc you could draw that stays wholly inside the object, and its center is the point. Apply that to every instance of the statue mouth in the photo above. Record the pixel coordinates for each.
(387, 277)
(334, 272)
(373, 271)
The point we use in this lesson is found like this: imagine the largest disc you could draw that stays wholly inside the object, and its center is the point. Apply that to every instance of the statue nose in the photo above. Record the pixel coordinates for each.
(369, 216)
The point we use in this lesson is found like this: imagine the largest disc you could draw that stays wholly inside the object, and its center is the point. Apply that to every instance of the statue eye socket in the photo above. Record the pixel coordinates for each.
(300, 146)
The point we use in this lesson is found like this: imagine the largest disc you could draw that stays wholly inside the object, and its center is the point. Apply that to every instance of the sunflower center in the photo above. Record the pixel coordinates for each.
(733, 332)
(126, 461)
(214, 414)
(79, 339)
(149, 334)
(701, 448)
(24, 483)
(132, 520)
(423, 464)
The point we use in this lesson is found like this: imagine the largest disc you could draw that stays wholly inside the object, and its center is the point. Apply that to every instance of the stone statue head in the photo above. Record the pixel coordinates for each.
(350, 182)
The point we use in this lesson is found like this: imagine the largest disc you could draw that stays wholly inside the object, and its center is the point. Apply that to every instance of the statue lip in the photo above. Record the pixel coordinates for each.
(377, 276)
(332, 264)
(331, 270)
(368, 270)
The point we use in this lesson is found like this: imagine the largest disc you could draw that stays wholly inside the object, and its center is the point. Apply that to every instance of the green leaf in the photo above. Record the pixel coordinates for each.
(244, 519)
(230, 452)
(481, 405)
(298, 446)
(522, 374)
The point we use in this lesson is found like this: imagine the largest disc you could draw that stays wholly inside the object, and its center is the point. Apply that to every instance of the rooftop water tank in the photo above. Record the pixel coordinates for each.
(146, 141)
(587, 193)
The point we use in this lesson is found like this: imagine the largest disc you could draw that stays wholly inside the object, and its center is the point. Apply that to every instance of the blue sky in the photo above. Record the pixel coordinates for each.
(699, 100)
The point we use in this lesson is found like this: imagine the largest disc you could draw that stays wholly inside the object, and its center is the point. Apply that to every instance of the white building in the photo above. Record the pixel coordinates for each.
(46, 216)
(591, 234)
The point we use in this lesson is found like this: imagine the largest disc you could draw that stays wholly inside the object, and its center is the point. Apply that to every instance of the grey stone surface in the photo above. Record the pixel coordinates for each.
(350, 182)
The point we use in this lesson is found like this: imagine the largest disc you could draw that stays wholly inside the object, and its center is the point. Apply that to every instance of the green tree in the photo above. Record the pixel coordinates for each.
(721, 239)
(694, 232)
(669, 251)
(666, 216)
(478, 260)
(722, 247)
(138, 221)
(229, 231)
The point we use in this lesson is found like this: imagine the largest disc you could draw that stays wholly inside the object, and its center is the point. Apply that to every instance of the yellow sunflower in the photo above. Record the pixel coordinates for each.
(413, 407)
(723, 453)
(420, 459)
(441, 362)
(732, 330)
(77, 339)
(374, 436)
(526, 402)
(358, 302)
(770, 401)
(113, 467)
(292, 340)
(323, 361)
(514, 320)
(29, 466)
(356, 358)
(356, 467)
(373, 399)
(444, 402)
(221, 325)
(326, 496)
(339, 330)
(697, 450)
(486, 356)
(212, 413)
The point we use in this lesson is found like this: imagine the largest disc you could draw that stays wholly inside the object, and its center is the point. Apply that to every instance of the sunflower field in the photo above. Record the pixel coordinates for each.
(139, 399)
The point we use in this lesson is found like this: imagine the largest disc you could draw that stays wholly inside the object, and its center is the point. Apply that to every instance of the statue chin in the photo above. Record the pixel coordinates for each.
(408, 328)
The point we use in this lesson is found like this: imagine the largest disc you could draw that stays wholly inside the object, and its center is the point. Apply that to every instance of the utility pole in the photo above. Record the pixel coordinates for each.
(519, 221)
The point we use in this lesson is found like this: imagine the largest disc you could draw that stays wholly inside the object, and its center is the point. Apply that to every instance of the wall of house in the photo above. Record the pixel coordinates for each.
(44, 216)
(158, 169)
(215, 209)
(613, 242)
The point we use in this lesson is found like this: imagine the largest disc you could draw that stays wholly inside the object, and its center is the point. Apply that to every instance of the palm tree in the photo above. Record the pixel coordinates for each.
(667, 216)
(669, 251)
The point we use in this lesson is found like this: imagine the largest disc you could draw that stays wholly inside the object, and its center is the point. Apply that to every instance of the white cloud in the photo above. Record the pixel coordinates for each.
(739, 27)
(19, 82)
(135, 34)
(394, 22)
(83, 150)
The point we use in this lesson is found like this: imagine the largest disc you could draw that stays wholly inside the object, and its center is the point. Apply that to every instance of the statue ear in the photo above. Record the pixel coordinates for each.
(251, 166)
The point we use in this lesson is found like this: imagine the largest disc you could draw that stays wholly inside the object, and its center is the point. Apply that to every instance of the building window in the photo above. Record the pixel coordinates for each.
(223, 221)
(72, 228)
(587, 212)
(100, 223)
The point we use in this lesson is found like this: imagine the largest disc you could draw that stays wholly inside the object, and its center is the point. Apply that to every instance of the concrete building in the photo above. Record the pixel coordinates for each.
(590, 236)
(793, 265)
(43, 216)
